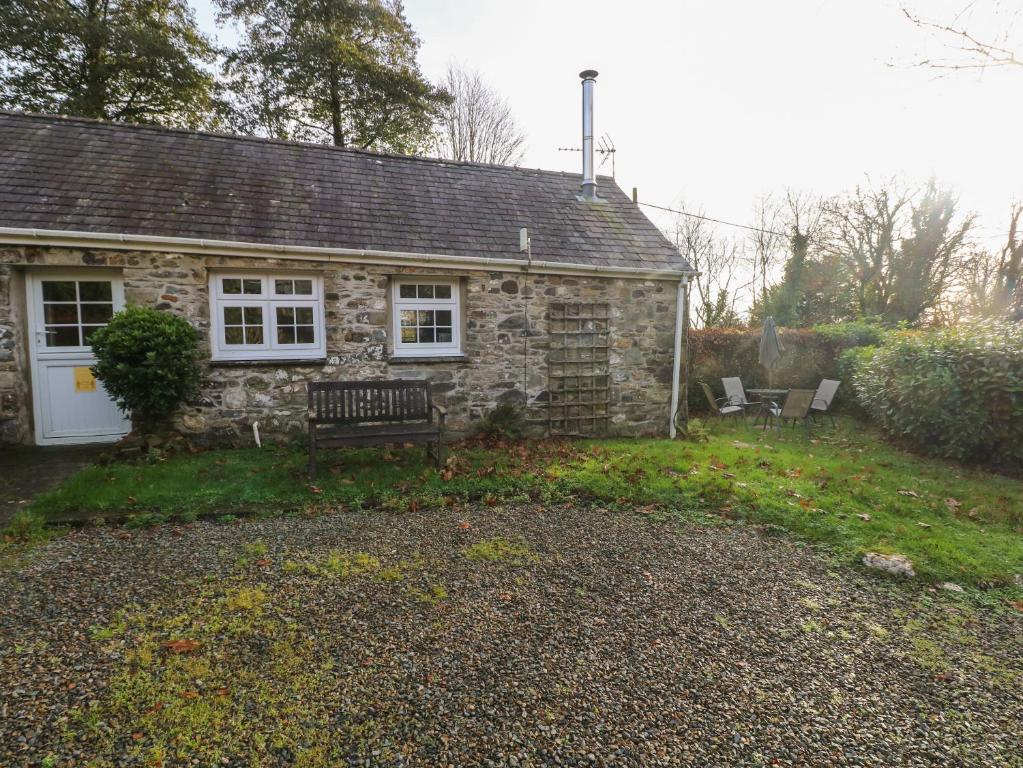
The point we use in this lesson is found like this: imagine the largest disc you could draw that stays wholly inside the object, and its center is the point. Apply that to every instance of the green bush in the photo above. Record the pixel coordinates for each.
(506, 420)
(148, 361)
(955, 392)
(855, 333)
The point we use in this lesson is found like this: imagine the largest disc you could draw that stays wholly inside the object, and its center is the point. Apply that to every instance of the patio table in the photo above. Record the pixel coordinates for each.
(769, 397)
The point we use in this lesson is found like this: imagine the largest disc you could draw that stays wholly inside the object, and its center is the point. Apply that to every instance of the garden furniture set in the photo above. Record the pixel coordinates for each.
(793, 405)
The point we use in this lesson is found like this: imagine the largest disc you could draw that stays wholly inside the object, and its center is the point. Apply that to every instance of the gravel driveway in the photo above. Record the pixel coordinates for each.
(493, 636)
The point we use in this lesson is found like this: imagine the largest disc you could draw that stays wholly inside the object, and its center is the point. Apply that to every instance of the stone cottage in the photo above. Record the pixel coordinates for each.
(300, 262)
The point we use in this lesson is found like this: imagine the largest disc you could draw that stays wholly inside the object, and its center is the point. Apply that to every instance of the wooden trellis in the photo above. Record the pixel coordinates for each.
(578, 372)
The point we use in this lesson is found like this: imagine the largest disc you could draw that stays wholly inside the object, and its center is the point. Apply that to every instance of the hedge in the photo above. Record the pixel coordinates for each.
(811, 354)
(954, 392)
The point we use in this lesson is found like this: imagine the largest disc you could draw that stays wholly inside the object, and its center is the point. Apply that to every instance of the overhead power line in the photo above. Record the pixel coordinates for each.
(716, 221)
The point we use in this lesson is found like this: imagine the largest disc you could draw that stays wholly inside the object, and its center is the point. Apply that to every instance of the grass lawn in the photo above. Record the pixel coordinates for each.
(847, 489)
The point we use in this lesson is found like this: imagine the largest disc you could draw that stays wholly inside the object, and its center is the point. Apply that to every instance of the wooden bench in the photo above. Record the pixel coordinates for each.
(350, 413)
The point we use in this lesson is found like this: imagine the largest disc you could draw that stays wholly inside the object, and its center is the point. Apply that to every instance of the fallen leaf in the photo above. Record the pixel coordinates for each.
(181, 646)
(464, 525)
(190, 694)
(952, 504)
(924, 525)
(904, 492)
(314, 489)
(263, 561)
(864, 517)
(222, 691)
(506, 596)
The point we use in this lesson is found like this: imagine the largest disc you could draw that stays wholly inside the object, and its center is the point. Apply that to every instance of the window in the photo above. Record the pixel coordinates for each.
(267, 317)
(426, 317)
(74, 309)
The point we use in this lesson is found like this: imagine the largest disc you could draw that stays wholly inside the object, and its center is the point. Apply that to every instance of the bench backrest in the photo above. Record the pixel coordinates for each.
(363, 402)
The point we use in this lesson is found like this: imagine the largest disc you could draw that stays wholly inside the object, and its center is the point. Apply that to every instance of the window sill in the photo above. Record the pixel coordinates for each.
(274, 362)
(427, 359)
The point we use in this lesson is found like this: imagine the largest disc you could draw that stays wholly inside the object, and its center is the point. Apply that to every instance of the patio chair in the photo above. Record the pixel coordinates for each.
(823, 397)
(795, 408)
(720, 406)
(735, 393)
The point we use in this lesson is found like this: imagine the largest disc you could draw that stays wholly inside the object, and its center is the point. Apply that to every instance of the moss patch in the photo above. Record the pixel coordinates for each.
(499, 549)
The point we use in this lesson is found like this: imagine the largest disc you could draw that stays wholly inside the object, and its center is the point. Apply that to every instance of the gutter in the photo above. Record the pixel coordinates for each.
(80, 239)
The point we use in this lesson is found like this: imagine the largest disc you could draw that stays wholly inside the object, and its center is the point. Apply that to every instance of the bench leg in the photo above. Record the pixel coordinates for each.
(312, 456)
(439, 452)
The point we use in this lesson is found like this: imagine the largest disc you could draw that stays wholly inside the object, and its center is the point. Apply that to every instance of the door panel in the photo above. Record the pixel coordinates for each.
(74, 404)
(65, 309)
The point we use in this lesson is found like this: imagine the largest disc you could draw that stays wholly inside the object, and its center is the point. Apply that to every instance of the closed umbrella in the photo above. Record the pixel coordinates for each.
(770, 348)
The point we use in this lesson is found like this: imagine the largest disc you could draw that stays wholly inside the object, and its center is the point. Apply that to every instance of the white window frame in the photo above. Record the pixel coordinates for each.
(268, 300)
(454, 304)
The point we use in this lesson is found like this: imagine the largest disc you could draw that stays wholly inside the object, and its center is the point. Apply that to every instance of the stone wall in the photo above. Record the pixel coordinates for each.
(14, 399)
(498, 365)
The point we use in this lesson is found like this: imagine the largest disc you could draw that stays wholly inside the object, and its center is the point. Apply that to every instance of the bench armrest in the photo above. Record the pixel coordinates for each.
(439, 409)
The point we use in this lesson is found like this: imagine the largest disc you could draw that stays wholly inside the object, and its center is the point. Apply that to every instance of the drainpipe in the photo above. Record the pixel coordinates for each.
(680, 314)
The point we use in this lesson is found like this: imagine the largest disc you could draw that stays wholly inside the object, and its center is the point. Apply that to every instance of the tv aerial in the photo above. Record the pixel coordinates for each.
(605, 148)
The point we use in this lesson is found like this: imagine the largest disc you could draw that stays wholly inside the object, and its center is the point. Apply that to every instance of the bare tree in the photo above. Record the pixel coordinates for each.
(930, 257)
(970, 48)
(767, 243)
(992, 283)
(863, 229)
(724, 282)
(1010, 268)
(477, 125)
(899, 252)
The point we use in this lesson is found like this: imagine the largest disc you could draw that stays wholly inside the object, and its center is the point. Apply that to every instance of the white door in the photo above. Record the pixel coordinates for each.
(65, 308)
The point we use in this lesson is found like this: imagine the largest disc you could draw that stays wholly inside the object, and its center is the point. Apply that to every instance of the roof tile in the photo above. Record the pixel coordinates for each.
(70, 173)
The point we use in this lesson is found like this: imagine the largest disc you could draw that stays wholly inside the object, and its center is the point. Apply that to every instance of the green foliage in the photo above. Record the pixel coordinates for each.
(853, 333)
(148, 361)
(338, 71)
(505, 420)
(955, 392)
(129, 60)
(694, 430)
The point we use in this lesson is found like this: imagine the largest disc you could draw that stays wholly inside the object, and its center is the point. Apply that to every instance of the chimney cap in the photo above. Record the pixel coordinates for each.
(588, 74)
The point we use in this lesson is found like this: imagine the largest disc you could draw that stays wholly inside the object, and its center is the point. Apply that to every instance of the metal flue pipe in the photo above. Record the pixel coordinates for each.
(589, 191)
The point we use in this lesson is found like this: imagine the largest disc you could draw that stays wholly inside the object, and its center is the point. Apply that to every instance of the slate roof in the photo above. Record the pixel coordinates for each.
(64, 173)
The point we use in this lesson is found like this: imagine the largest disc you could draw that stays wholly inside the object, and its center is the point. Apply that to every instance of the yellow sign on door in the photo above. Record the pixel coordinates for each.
(84, 380)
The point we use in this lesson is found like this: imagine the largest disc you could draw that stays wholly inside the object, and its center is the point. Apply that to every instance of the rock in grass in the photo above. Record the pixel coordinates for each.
(899, 565)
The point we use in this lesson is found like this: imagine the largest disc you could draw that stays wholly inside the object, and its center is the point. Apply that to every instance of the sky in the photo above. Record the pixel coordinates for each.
(718, 103)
